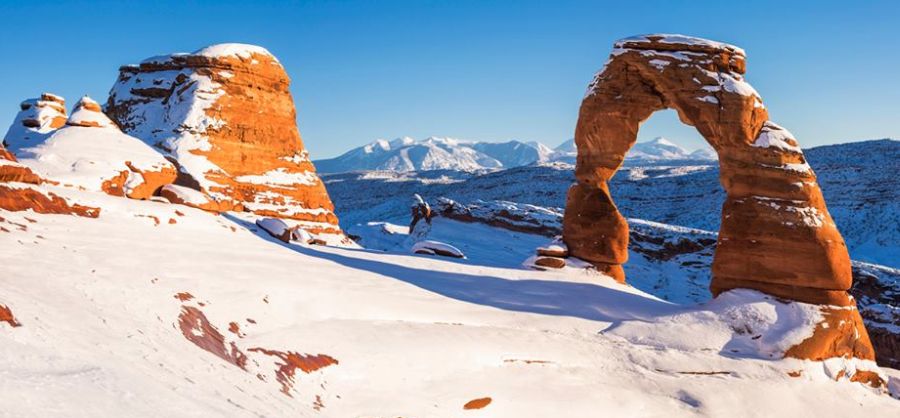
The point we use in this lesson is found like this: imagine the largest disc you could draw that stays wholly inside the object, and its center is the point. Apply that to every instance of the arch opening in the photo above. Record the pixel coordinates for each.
(671, 233)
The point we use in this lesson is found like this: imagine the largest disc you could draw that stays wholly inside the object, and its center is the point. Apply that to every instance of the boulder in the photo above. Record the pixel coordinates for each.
(776, 236)
(183, 195)
(420, 224)
(280, 229)
(429, 247)
(225, 115)
(552, 262)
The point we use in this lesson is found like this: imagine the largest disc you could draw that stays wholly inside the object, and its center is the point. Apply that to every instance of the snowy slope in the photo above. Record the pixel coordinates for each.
(515, 153)
(667, 261)
(116, 320)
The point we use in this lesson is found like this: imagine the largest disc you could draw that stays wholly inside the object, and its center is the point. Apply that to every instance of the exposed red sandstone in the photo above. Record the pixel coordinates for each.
(35, 120)
(307, 363)
(197, 329)
(19, 199)
(552, 262)
(184, 296)
(88, 152)
(477, 403)
(841, 334)
(7, 316)
(235, 329)
(225, 115)
(776, 234)
(11, 171)
(19, 191)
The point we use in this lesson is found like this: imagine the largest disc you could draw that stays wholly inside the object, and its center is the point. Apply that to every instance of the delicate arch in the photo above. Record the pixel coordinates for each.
(776, 234)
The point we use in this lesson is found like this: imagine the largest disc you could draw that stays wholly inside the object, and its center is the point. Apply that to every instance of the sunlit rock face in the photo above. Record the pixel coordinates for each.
(36, 119)
(20, 191)
(776, 234)
(225, 115)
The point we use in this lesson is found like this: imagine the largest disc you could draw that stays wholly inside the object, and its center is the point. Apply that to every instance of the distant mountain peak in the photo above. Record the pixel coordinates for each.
(444, 153)
(437, 153)
(660, 140)
(401, 142)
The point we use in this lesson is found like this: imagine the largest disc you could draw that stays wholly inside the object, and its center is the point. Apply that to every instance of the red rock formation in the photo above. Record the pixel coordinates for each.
(776, 234)
(19, 191)
(12, 171)
(36, 119)
(141, 171)
(225, 114)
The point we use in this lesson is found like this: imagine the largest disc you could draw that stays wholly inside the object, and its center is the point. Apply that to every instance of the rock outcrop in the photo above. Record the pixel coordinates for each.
(420, 219)
(90, 152)
(225, 115)
(36, 119)
(19, 191)
(183, 195)
(776, 234)
(508, 215)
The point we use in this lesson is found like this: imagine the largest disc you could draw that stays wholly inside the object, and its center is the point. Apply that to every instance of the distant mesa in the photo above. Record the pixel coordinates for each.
(776, 235)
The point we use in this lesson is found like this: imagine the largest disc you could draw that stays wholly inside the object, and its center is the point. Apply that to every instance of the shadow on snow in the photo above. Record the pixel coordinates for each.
(548, 297)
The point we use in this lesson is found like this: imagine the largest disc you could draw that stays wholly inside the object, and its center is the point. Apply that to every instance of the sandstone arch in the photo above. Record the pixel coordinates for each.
(776, 234)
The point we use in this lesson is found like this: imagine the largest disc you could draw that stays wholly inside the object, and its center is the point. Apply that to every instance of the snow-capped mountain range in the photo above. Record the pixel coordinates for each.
(438, 153)
(855, 177)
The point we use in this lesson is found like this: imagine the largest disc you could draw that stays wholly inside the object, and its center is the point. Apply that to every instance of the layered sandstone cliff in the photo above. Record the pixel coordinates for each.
(225, 115)
(776, 234)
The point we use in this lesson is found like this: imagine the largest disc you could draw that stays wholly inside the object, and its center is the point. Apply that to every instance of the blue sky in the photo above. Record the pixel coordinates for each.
(483, 70)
